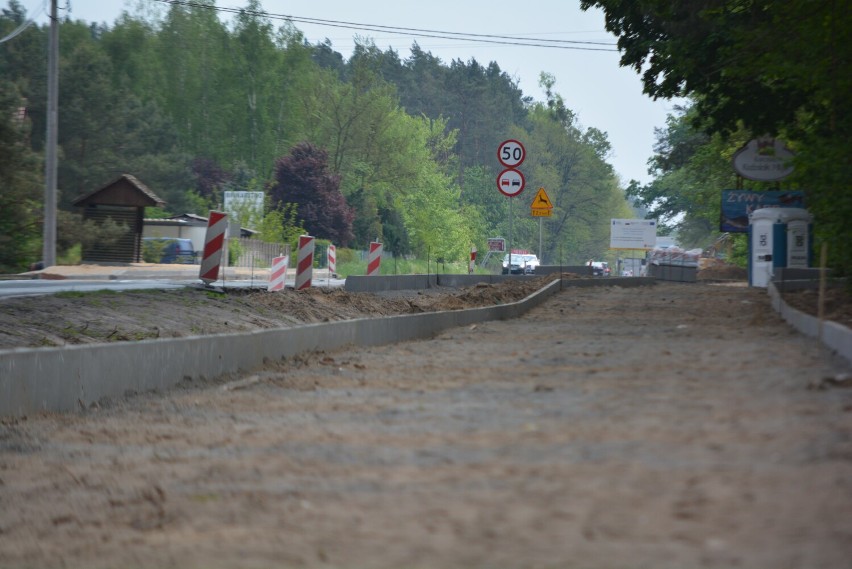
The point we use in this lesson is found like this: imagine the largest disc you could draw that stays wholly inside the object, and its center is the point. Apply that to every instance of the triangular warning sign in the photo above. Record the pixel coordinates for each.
(541, 201)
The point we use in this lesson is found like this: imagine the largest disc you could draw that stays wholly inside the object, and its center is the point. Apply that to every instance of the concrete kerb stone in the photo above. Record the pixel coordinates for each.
(835, 336)
(75, 377)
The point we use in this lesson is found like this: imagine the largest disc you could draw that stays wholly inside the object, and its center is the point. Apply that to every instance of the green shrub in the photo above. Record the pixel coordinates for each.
(152, 250)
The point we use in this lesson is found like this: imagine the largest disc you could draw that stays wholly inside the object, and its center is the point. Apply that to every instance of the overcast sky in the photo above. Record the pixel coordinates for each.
(601, 93)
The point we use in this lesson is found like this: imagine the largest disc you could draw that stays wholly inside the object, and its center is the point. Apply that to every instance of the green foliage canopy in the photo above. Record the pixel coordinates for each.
(767, 67)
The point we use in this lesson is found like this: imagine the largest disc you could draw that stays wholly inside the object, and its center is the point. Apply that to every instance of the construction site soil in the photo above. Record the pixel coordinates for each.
(106, 316)
(83, 318)
(667, 426)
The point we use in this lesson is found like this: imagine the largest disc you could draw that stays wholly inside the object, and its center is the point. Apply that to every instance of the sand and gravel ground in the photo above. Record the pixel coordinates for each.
(668, 426)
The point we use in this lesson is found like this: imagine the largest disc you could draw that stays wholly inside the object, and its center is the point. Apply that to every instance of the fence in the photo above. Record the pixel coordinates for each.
(256, 253)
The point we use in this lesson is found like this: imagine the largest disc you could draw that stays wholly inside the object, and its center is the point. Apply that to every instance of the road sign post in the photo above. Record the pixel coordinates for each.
(511, 154)
(541, 207)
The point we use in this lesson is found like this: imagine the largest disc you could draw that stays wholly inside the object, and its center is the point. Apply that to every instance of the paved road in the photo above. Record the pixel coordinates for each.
(669, 426)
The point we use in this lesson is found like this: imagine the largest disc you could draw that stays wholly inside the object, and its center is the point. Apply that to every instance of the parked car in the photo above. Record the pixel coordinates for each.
(599, 268)
(168, 250)
(521, 264)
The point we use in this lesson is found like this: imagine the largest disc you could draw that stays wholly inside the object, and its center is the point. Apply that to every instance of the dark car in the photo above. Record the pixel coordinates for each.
(168, 250)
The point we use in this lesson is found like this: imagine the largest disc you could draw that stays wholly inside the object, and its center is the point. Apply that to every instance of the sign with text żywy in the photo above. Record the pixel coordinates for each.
(511, 182)
(633, 234)
(738, 204)
(511, 153)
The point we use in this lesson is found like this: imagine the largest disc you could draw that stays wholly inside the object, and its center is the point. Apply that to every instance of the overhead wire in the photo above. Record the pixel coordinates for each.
(415, 32)
(24, 25)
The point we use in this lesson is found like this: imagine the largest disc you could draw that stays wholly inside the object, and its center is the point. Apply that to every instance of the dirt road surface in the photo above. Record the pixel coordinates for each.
(669, 426)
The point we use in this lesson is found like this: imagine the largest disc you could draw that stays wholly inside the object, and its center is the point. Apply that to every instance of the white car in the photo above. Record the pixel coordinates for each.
(522, 264)
(599, 268)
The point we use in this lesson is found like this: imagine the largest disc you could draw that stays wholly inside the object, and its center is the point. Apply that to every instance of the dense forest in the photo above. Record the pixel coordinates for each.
(403, 149)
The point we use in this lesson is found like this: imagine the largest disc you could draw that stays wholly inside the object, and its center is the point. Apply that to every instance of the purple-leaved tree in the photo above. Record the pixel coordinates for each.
(302, 178)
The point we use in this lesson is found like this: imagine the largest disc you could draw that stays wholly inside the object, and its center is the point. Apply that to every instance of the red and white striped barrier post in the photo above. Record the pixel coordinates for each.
(374, 260)
(214, 240)
(279, 273)
(305, 262)
(472, 264)
(332, 260)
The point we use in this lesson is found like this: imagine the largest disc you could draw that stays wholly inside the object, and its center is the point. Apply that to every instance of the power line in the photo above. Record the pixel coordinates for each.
(26, 24)
(415, 32)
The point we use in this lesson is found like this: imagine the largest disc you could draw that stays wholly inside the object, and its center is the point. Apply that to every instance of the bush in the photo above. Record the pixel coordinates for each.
(152, 251)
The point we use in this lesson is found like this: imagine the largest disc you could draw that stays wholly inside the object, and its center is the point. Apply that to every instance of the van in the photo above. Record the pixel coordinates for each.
(168, 250)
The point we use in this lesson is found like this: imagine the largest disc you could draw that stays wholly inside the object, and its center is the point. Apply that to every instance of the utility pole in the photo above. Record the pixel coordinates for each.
(49, 248)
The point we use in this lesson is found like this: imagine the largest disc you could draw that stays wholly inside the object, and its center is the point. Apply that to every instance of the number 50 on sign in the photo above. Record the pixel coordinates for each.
(511, 153)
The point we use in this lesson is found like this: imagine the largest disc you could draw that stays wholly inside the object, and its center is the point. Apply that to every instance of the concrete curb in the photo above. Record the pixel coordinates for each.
(835, 336)
(74, 377)
(361, 283)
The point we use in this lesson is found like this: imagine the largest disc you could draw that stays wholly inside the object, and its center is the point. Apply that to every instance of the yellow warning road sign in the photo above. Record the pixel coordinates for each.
(540, 212)
(541, 201)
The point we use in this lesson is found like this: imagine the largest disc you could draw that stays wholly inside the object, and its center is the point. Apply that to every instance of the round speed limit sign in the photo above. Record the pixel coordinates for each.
(511, 153)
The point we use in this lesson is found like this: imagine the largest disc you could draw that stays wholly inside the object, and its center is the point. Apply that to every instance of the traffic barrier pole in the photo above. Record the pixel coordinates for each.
(332, 260)
(374, 261)
(305, 262)
(214, 241)
(279, 273)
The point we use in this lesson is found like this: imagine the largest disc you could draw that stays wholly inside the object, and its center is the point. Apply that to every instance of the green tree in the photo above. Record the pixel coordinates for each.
(255, 63)
(196, 77)
(281, 225)
(778, 68)
(20, 202)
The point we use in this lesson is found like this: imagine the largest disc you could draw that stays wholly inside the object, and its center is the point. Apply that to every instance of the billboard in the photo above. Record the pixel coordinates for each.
(245, 208)
(496, 244)
(633, 234)
(737, 204)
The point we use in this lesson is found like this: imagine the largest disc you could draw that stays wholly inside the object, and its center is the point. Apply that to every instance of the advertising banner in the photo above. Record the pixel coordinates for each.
(633, 234)
(737, 204)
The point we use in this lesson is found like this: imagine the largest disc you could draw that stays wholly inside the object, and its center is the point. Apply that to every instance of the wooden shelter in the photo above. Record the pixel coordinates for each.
(122, 202)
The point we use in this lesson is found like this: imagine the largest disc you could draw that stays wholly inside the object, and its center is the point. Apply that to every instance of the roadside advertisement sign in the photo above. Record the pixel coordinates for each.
(496, 244)
(244, 207)
(738, 204)
(633, 234)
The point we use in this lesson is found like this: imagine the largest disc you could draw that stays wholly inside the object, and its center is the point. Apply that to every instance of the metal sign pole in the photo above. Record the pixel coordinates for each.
(509, 244)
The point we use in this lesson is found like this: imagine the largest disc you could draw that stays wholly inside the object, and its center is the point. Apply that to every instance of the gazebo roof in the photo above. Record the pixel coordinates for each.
(125, 190)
